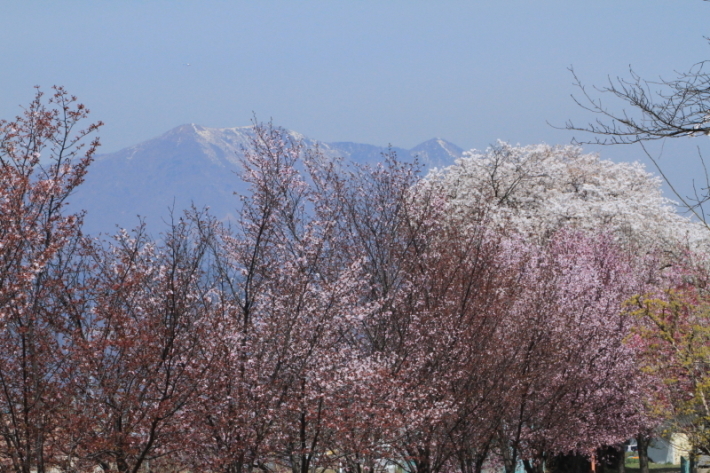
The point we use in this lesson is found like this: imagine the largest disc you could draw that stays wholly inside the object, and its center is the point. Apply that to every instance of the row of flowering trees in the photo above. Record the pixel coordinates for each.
(352, 318)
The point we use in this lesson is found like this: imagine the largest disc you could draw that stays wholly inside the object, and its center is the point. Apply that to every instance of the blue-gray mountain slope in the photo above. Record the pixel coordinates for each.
(194, 164)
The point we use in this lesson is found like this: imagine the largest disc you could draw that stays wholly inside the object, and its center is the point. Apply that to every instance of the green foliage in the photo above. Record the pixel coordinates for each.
(673, 335)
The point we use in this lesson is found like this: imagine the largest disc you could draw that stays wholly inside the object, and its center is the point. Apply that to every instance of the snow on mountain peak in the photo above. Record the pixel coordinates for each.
(193, 164)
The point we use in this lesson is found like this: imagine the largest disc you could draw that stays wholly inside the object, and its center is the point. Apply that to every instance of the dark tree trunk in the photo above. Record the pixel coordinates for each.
(509, 456)
(611, 459)
(621, 466)
(570, 463)
(121, 464)
(509, 463)
(528, 466)
(423, 462)
(480, 459)
(472, 460)
(533, 467)
(642, 442)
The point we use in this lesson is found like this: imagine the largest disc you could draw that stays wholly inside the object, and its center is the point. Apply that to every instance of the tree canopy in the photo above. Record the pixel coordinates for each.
(355, 317)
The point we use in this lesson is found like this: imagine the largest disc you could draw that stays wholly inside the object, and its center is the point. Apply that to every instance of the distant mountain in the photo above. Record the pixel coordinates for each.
(194, 164)
(436, 153)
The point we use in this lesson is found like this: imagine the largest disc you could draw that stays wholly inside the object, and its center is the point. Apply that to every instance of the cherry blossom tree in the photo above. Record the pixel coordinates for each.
(575, 377)
(534, 192)
(458, 310)
(140, 349)
(539, 189)
(289, 302)
(44, 155)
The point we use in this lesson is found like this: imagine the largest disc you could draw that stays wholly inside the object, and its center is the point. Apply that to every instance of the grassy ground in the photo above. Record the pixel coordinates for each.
(655, 468)
(632, 465)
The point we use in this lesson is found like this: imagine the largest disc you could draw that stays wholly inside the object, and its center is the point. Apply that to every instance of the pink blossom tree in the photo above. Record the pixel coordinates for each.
(537, 190)
(140, 349)
(288, 304)
(44, 155)
(575, 379)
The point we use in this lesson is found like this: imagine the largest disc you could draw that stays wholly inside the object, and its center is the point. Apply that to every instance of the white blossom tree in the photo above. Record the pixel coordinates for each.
(536, 191)
(539, 189)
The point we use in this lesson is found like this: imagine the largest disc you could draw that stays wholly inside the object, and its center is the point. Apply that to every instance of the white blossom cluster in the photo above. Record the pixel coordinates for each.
(539, 189)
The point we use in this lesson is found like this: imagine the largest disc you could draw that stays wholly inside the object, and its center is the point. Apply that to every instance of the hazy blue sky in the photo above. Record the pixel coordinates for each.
(377, 72)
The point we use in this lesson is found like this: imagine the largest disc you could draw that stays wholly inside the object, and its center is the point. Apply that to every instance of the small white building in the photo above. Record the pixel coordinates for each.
(669, 451)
